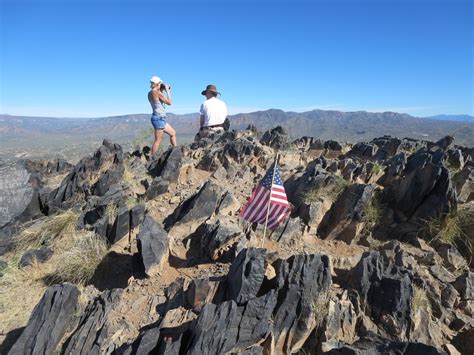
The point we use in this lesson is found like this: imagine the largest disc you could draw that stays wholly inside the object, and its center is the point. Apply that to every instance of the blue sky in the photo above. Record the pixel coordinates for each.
(95, 58)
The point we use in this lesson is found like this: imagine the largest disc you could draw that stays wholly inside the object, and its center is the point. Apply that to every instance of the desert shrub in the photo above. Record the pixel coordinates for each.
(312, 195)
(372, 211)
(409, 149)
(78, 264)
(321, 307)
(48, 230)
(339, 187)
(377, 168)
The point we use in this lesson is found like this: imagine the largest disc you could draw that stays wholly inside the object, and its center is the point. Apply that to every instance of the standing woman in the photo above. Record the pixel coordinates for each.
(158, 99)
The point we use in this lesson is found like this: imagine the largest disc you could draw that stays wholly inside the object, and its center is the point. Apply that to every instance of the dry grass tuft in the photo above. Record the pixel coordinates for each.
(419, 300)
(111, 212)
(331, 191)
(128, 178)
(321, 307)
(20, 291)
(48, 231)
(455, 228)
(446, 228)
(78, 264)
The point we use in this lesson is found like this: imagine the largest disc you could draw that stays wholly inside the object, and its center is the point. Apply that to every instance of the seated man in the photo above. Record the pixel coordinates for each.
(213, 114)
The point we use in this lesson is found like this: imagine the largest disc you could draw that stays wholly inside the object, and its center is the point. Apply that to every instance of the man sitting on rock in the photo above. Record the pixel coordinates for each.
(213, 114)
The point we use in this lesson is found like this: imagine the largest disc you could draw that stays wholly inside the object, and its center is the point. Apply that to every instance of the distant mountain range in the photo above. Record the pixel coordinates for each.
(459, 118)
(27, 136)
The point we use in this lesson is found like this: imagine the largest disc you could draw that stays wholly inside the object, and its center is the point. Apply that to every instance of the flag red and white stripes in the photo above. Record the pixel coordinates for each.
(267, 192)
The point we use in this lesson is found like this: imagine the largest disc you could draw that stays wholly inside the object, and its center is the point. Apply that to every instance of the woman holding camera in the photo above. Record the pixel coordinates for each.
(158, 99)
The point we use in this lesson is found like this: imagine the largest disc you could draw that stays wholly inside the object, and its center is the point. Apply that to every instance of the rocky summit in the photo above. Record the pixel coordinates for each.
(128, 253)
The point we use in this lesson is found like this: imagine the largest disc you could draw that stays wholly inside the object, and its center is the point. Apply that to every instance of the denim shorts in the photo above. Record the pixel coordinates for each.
(158, 122)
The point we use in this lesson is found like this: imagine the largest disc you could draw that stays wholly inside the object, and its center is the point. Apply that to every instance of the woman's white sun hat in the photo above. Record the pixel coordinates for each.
(155, 80)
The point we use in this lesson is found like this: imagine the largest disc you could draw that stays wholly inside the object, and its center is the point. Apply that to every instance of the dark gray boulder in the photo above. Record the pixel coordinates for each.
(153, 245)
(300, 281)
(106, 162)
(363, 150)
(137, 214)
(394, 170)
(387, 147)
(240, 151)
(168, 165)
(49, 321)
(463, 341)
(385, 290)
(464, 182)
(376, 345)
(198, 207)
(146, 343)
(121, 226)
(19, 195)
(91, 335)
(111, 177)
(464, 284)
(341, 221)
(246, 275)
(40, 255)
(276, 138)
(445, 143)
(230, 328)
(425, 191)
(220, 240)
(157, 187)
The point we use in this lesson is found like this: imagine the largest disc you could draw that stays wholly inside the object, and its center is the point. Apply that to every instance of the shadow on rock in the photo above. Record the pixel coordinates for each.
(10, 339)
(115, 270)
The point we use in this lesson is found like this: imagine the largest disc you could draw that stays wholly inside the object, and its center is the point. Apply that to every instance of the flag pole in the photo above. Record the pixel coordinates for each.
(269, 199)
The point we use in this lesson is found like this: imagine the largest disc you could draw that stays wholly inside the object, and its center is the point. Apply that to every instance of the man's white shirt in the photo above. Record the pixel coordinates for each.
(214, 111)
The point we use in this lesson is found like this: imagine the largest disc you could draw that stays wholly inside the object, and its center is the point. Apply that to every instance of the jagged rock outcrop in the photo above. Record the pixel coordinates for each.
(168, 165)
(19, 195)
(49, 321)
(330, 279)
(464, 182)
(246, 275)
(424, 192)
(217, 241)
(196, 209)
(276, 138)
(157, 187)
(385, 290)
(91, 335)
(343, 220)
(91, 176)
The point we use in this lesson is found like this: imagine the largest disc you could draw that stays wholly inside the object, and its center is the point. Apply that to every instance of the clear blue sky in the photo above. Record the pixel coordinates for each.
(95, 58)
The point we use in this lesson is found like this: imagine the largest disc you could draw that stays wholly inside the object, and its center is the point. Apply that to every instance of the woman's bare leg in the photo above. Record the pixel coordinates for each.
(157, 142)
(172, 133)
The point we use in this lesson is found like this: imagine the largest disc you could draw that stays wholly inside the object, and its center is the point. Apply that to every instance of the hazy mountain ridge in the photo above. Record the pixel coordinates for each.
(459, 118)
(48, 136)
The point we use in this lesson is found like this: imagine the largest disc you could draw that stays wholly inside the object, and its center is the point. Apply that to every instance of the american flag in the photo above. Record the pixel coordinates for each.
(256, 209)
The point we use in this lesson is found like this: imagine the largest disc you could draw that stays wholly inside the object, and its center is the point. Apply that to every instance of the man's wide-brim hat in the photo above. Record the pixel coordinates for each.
(211, 88)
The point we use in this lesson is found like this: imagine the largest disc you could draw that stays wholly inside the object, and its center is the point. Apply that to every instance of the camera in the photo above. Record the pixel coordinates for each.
(163, 86)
